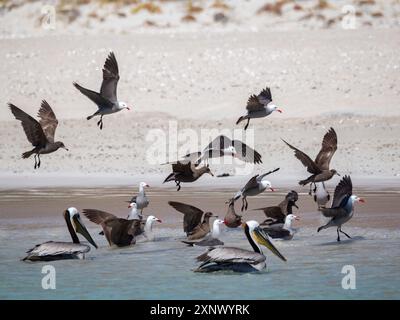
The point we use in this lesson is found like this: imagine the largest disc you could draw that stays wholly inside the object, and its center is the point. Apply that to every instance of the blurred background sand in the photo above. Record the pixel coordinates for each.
(196, 62)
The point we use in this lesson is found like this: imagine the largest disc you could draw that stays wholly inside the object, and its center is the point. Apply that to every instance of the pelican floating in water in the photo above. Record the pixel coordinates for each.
(55, 250)
(342, 208)
(236, 259)
(212, 238)
(282, 231)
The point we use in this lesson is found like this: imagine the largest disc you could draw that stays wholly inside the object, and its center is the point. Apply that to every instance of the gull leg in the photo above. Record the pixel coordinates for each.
(338, 237)
(242, 205)
(246, 204)
(309, 192)
(38, 165)
(178, 184)
(35, 162)
(340, 229)
(100, 122)
(247, 124)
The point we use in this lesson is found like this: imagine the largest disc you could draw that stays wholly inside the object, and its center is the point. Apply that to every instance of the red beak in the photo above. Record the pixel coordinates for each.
(159, 220)
(272, 189)
(279, 110)
(361, 200)
(297, 218)
(128, 108)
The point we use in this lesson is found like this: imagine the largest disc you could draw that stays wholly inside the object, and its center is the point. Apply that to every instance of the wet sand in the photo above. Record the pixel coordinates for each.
(381, 209)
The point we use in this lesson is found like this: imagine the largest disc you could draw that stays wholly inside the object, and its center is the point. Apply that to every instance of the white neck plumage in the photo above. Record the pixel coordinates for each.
(134, 214)
(216, 231)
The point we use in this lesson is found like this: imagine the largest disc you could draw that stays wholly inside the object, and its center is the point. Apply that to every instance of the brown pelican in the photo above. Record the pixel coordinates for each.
(259, 107)
(52, 250)
(118, 231)
(277, 214)
(193, 226)
(140, 199)
(223, 146)
(319, 168)
(342, 208)
(321, 195)
(39, 133)
(282, 231)
(211, 239)
(253, 187)
(236, 259)
(232, 219)
(186, 173)
(106, 101)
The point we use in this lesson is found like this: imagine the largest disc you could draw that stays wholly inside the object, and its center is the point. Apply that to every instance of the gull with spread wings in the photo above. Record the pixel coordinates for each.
(342, 208)
(319, 168)
(39, 133)
(186, 173)
(253, 187)
(259, 106)
(223, 146)
(106, 101)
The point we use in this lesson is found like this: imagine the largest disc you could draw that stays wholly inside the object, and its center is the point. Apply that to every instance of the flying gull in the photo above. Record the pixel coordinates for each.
(106, 101)
(39, 133)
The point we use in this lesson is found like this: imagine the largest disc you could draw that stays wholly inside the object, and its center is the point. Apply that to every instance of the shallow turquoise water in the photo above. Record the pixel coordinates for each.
(162, 269)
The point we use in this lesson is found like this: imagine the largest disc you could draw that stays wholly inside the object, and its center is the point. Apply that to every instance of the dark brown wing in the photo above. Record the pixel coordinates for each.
(245, 153)
(182, 168)
(305, 160)
(329, 146)
(98, 216)
(192, 215)
(343, 189)
(265, 96)
(253, 104)
(48, 120)
(274, 212)
(99, 100)
(334, 212)
(110, 78)
(33, 129)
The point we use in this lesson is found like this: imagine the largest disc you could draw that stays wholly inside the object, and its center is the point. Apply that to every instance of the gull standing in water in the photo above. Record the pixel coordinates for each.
(140, 199)
(319, 168)
(321, 195)
(55, 250)
(259, 107)
(211, 239)
(40, 134)
(193, 225)
(224, 258)
(106, 101)
(118, 231)
(253, 187)
(277, 214)
(283, 232)
(342, 208)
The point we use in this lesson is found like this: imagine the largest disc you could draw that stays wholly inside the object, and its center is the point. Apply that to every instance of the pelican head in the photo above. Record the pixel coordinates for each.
(265, 184)
(123, 105)
(258, 236)
(73, 215)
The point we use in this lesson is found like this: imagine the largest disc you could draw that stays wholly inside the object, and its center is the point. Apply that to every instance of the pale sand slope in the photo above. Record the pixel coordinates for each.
(345, 79)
